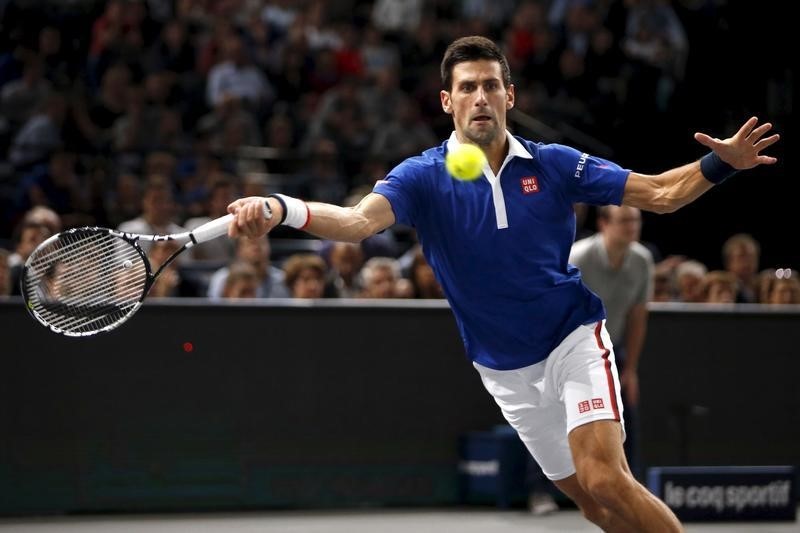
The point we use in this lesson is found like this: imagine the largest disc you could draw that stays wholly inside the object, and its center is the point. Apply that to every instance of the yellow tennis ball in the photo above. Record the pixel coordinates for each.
(465, 162)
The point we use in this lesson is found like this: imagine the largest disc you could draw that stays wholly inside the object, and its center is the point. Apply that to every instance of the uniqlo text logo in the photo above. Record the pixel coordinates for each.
(583, 406)
(529, 185)
(597, 403)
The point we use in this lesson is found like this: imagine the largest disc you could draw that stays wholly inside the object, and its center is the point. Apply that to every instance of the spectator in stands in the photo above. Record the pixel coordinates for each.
(663, 289)
(786, 288)
(381, 279)
(58, 186)
(57, 69)
(719, 287)
(41, 134)
(173, 51)
(27, 236)
(689, 278)
(158, 211)
(235, 77)
(741, 254)
(656, 44)
(404, 135)
(44, 215)
(95, 118)
(766, 279)
(346, 260)
(305, 275)
(256, 252)
(242, 281)
(169, 283)
(20, 99)
(222, 193)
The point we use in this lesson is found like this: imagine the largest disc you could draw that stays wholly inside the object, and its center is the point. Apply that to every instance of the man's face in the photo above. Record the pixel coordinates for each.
(623, 225)
(743, 261)
(478, 101)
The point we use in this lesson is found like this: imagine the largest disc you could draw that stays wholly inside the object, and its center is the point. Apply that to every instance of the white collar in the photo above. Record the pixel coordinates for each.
(515, 148)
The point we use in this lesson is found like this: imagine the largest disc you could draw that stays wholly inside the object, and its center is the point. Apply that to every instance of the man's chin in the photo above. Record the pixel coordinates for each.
(483, 137)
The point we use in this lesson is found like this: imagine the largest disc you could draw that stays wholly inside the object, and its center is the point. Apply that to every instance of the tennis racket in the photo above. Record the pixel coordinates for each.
(89, 280)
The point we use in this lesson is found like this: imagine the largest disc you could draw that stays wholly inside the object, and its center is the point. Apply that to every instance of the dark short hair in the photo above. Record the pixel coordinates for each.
(472, 48)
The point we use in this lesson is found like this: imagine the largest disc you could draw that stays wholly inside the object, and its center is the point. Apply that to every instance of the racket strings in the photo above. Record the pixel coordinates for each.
(78, 283)
(85, 281)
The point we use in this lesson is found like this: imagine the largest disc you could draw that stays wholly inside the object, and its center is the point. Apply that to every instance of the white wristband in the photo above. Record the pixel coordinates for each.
(295, 212)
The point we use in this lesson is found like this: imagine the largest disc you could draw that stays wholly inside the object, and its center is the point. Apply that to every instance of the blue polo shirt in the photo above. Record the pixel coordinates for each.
(499, 245)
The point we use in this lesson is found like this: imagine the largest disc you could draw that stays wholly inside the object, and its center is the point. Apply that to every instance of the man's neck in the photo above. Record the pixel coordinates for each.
(496, 152)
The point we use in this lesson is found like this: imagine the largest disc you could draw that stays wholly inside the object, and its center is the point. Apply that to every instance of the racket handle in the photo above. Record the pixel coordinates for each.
(211, 230)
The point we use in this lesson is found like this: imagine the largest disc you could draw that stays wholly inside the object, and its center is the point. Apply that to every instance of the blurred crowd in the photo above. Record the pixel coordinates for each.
(152, 115)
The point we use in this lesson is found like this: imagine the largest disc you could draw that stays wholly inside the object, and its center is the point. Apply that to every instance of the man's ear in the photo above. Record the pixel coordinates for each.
(447, 105)
(510, 96)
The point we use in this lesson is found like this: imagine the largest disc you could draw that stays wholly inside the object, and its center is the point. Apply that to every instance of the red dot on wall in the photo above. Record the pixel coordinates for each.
(188, 347)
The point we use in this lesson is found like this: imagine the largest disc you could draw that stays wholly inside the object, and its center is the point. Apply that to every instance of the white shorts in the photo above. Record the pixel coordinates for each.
(577, 384)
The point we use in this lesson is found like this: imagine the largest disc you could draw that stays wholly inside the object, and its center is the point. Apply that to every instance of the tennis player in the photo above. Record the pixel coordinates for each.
(499, 248)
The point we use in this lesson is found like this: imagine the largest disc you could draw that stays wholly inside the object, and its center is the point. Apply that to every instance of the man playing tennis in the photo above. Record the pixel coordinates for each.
(499, 247)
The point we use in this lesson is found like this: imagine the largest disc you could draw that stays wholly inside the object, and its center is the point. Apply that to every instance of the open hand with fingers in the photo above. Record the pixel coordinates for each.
(743, 150)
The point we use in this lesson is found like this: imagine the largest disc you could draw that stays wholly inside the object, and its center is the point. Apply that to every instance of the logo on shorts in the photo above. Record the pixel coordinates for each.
(584, 406)
(529, 185)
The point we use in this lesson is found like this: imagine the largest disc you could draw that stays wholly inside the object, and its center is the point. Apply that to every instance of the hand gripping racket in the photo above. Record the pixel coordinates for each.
(89, 280)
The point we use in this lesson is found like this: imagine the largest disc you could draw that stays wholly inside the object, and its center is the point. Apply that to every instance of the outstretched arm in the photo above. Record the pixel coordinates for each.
(353, 224)
(671, 190)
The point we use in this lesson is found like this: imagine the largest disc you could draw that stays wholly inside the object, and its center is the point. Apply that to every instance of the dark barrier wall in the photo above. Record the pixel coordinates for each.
(329, 405)
(721, 387)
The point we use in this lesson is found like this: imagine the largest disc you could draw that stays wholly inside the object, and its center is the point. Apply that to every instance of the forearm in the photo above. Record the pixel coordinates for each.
(668, 191)
(351, 224)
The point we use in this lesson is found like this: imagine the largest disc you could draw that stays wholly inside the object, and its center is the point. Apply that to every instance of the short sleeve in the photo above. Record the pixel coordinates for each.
(589, 179)
(403, 188)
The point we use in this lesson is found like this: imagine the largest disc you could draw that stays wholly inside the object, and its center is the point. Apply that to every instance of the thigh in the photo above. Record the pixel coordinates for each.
(536, 415)
(588, 379)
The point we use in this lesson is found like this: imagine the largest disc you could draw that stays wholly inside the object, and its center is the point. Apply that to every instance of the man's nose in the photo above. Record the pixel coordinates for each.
(480, 96)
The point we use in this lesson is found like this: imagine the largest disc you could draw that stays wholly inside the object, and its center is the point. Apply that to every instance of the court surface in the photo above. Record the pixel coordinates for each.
(368, 521)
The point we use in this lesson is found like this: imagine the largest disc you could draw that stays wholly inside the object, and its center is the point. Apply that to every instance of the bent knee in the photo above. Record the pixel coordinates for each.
(604, 484)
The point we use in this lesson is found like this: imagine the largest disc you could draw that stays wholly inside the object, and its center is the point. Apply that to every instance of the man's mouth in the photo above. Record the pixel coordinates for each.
(481, 118)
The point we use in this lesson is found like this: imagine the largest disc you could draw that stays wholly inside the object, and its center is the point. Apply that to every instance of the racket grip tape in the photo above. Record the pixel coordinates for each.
(211, 230)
